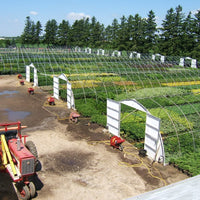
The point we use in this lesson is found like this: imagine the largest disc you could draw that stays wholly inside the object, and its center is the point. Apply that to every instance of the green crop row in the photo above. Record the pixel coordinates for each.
(185, 109)
(155, 102)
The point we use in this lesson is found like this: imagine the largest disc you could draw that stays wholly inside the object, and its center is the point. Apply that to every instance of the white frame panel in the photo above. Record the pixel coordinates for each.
(118, 53)
(28, 74)
(70, 95)
(113, 117)
(193, 62)
(138, 55)
(56, 87)
(100, 52)
(153, 141)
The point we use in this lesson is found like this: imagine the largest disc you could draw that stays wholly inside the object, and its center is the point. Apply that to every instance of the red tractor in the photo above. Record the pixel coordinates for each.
(18, 158)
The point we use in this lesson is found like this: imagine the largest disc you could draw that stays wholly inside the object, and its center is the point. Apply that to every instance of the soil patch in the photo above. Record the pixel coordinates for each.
(66, 161)
(86, 130)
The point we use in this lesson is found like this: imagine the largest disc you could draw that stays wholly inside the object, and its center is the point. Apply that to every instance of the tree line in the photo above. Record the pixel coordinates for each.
(179, 33)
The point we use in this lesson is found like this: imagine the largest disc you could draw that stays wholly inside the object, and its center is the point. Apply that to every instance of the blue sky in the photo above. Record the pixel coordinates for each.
(14, 12)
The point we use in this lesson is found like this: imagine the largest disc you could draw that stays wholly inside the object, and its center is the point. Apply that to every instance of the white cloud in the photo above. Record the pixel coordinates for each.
(33, 13)
(77, 16)
(195, 11)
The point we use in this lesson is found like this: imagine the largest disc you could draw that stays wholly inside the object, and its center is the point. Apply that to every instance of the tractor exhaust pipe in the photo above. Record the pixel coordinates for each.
(18, 144)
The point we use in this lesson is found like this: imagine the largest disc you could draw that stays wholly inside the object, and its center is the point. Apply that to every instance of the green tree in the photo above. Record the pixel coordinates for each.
(196, 50)
(187, 36)
(96, 33)
(138, 34)
(130, 33)
(64, 33)
(172, 32)
(122, 33)
(150, 33)
(38, 31)
(108, 37)
(80, 32)
(114, 33)
(27, 36)
(51, 29)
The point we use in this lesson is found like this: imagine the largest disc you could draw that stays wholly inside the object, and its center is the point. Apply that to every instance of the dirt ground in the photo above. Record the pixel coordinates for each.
(76, 161)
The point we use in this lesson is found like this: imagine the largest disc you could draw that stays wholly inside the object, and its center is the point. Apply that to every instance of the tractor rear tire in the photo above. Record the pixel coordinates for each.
(32, 148)
(32, 189)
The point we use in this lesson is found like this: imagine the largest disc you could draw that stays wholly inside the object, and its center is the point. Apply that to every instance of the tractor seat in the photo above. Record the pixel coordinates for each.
(9, 134)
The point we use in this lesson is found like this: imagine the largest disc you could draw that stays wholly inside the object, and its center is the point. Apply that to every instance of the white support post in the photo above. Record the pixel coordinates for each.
(113, 117)
(28, 73)
(138, 55)
(56, 87)
(35, 77)
(70, 96)
(90, 51)
(181, 63)
(162, 59)
(153, 141)
(194, 63)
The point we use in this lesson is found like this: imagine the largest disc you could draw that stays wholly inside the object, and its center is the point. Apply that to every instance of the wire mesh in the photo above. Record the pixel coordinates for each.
(169, 91)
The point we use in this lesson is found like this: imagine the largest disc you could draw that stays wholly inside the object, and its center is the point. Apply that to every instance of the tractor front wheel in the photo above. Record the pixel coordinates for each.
(32, 148)
(24, 193)
(32, 189)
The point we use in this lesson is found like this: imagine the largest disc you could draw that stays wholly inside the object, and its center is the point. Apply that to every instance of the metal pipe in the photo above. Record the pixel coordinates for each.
(18, 144)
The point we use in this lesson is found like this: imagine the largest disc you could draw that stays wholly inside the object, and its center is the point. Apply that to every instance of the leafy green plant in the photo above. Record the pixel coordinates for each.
(151, 92)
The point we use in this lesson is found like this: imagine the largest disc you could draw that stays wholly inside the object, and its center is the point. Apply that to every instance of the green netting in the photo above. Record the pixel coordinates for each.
(169, 91)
